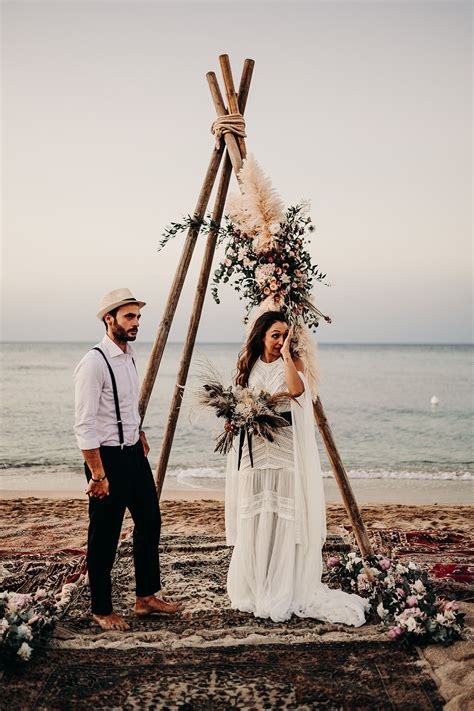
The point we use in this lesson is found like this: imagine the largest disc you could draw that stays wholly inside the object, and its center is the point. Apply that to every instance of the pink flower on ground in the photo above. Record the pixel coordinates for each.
(412, 600)
(385, 563)
(333, 562)
(395, 632)
(401, 592)
(451, 605)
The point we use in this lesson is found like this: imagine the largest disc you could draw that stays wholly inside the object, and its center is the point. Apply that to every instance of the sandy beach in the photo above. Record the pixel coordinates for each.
(373, 491)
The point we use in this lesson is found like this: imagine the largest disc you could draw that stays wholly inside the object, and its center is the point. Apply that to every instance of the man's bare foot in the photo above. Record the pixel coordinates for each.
(111, 622)
(150, 604)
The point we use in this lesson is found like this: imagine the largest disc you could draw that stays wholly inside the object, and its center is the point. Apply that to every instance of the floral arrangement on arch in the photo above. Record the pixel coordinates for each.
(266, 249)
(267, 258)
(280, 270)
(402, 596)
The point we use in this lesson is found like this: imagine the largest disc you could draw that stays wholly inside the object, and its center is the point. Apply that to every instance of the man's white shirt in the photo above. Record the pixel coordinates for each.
(95, 416)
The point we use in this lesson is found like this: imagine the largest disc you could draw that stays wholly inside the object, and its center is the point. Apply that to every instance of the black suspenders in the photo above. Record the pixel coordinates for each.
(116, 400)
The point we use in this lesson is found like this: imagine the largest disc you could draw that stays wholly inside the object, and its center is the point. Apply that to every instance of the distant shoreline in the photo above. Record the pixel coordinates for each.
(366, 491)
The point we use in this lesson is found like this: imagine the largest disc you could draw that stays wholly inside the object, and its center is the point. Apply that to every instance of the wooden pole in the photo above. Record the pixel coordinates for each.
(158, 348)
(232, 101)
(188, 348)
(321, 420)
(342, 480)
(206, 266)
(156, 354)
(235, 146)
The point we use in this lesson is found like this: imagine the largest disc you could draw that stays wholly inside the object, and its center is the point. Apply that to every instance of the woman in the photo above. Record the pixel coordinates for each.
(275, 510)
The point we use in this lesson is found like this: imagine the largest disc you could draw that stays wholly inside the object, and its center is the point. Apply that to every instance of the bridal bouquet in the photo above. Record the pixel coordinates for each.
(246, 412)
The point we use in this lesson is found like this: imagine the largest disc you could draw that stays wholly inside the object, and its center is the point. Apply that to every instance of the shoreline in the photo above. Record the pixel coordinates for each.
(366, 491)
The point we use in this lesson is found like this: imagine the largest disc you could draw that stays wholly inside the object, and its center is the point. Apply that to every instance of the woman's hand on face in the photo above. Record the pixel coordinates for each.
(286, 347)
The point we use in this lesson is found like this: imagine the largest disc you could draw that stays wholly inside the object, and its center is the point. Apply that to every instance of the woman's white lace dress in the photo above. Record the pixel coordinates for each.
(276, 520)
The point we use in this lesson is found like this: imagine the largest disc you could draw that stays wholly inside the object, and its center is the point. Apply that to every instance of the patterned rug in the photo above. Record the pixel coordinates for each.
(194, 571)
(27, 571)
(210, 656)
(332, 676)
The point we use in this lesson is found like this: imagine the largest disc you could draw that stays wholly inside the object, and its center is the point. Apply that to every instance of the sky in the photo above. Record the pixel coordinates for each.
(362, 107)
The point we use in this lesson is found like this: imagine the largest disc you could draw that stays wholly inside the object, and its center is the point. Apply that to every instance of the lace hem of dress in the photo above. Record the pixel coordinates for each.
(268, 502)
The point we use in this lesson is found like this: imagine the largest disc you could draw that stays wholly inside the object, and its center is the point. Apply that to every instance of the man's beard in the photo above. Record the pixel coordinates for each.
(121, 334)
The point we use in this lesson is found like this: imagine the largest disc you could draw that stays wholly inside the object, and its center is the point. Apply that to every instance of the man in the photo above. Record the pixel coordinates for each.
(107, 428)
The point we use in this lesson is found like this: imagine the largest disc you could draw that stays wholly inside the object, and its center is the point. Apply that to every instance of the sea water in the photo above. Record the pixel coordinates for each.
(377, 399)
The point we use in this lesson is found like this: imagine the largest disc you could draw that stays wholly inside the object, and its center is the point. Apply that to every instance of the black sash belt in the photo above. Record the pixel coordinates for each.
(244, 431)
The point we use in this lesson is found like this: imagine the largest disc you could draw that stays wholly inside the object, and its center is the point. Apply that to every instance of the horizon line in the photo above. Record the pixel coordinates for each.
(225, 343)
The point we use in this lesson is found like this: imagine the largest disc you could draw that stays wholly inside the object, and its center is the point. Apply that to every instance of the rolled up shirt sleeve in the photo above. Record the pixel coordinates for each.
(88, 381)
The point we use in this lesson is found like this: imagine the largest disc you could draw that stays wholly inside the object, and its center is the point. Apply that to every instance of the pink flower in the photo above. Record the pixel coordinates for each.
(227, 262)
(385, 563)
(395, 632)
(333, 562)
(451, 605)
(270, 259)
(401, 592)
(412, 600)
(18, 601)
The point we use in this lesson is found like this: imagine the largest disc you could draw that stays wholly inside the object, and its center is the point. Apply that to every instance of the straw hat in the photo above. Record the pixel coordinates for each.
(116, 298)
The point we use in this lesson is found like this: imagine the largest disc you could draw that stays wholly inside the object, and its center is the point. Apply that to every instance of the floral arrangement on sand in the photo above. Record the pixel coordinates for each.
(402, 597)
(25, 620)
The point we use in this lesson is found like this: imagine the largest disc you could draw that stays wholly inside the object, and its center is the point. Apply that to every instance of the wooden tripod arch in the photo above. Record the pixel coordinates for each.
(233, 153)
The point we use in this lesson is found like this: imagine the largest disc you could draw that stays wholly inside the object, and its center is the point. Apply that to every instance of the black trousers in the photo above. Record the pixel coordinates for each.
(131, 486)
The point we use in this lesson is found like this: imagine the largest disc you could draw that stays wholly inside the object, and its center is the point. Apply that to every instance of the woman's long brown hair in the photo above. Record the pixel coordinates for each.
(253, 347)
